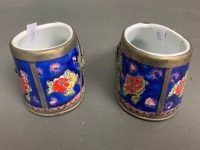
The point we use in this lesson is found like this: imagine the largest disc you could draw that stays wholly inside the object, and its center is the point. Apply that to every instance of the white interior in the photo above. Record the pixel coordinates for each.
(143, 37)
(48, 36)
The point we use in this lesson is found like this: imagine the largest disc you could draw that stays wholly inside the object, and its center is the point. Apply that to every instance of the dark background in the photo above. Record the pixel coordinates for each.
(98, 123)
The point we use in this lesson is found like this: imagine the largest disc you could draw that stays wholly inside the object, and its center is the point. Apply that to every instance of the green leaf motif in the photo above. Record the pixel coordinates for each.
(66, 74)
(69, 92)
(50, 85)
(135, 99)
(126, 92)
(145, 82)
(28, 98)
(49, 91)
(171, 92)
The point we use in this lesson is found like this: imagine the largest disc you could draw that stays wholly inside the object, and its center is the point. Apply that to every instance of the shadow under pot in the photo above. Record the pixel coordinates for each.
(152, 65)
(51, 69)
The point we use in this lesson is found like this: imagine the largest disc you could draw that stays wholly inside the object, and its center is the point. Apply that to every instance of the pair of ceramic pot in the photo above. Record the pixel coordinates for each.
(151, 61)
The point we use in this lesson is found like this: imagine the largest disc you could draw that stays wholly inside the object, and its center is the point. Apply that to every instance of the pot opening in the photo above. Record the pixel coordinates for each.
(47, 36)
(144, 37)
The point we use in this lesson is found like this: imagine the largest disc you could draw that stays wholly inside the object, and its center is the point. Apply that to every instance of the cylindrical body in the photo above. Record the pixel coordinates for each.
(152, 63)
(51, 70)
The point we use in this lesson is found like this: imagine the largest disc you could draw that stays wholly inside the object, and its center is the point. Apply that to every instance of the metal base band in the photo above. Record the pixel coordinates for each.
(60, 109)
(150, 116)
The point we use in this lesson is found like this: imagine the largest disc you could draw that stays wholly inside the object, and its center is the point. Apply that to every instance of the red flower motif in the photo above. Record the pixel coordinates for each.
(26, 89)
(133, 84)
(24, 84)
(180, 86)
(61, 84)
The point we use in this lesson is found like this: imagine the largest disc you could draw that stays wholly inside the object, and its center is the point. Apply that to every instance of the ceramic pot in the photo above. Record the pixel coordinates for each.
(51, 70)
(152, 64)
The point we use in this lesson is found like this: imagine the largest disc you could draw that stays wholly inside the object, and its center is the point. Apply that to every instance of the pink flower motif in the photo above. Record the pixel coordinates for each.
(79, 81)
(23, 74)
(36, 100)
(133, 67)
(39, 71)
(122, 75)
(174, 76)
(53, 101)
(156, 73)
(74, 58)
(169, 105)
(150, 102)
(54, 67)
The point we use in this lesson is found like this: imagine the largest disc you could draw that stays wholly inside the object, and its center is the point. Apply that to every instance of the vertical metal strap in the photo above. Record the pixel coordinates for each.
(38, 85)
(117, 65)
(81, 59)
(82, 56)
(164, 90)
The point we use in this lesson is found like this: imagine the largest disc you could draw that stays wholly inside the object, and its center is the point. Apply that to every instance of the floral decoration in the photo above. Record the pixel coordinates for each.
(150, 102)
(178, 87)
(74, 58)
(55, 67)
(174, 76)
(53, 101)
(64, 84)
(156, 73)
(134, 85)
(25, 85)
(169, 105)
(35, 100)
(40, 72)
(133, 67)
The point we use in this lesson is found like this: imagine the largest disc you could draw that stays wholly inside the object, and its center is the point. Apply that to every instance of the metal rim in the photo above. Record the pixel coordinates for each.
(54, 113)
(145, 118)
(40, 55)
(153, 60)
(157, 117)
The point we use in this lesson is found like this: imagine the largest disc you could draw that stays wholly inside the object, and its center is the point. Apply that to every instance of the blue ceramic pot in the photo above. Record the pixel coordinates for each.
(51, 70)
(152, 64)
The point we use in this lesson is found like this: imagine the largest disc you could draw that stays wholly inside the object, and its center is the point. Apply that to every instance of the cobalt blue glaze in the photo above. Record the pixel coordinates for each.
(152, 63)
(140, 85)
(176, 87)
(30, 94)
(61, 79)
(50, 64)
(54, 69)
(149, 98)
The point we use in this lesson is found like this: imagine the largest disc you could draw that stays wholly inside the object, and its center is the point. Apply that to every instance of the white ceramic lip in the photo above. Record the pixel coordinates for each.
(23, 34)
(144, 25)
